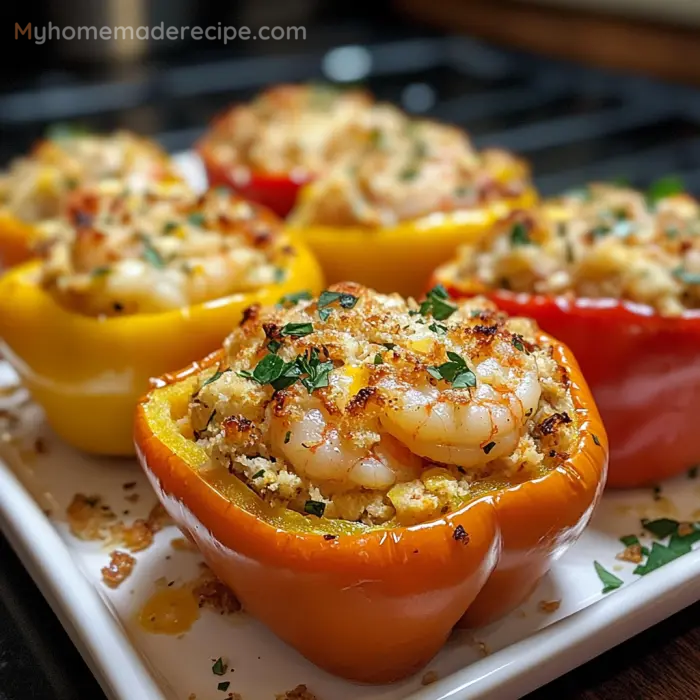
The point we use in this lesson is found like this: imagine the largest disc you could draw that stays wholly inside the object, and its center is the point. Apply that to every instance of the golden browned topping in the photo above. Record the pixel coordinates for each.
(366, 407)
(549, 606)
(632, 553)
(602, 241)
(288, 129)
(406, 169)
(119, 569)
(123, 252)
(211, 593)
(37, 187)
(89, 518)
(299, 693)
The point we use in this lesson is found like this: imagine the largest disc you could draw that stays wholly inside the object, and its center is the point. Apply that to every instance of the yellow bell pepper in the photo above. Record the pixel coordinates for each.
(88, 372)
(401, 258)
(16, 240)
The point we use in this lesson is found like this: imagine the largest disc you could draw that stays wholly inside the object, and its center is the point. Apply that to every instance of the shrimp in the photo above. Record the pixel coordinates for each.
(318, 450)
(464, 427)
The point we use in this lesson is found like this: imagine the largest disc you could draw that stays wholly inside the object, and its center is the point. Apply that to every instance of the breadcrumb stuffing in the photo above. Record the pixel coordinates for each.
(301, 692)
(328, 406)
(603, 241)
(118, 570)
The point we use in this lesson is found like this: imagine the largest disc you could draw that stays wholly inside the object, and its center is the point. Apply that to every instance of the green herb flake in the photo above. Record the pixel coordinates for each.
(658, 557)
(436, 304)
(297, 330)
(409, 173)
(101, 271)
(169, 227)
(257, 475)
(287, 436)
(267, 370)
(438, 329)
(219, 667)
(518, 342)
(274, 345)
(610, 581)
(661, 528)
(378, 359)
(687, 277)
(595, 439)
(347, 301)
(196, 218)
(294, 298)
(219, 373)
(316, 508)
(454, 372)
(519, 235)
(223, 686)
(664, 187)
(317, 372)
(629, 540)
(389, 346)
(279, 274)
(151, 254)
(488, 447)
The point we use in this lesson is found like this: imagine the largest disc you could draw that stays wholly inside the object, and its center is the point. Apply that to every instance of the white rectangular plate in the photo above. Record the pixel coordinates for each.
(506, 660)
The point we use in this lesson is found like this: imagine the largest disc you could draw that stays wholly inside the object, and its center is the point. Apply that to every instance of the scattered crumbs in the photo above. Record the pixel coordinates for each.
(685, 529)
(128, 485)
(215, 595)
(89, 518)
(429, 677)
(548, 606)
(139, 535)
(618, 567)
(234, 696)
(481, 646)
(132, 498)
(40, 446)
(301, 692)
(192, 696)
(181, 544)
(118, 570)
(633, 554)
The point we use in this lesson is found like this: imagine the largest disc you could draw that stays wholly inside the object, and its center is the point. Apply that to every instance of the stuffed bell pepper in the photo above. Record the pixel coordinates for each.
(367, 472)
(413, 191)
(615, 275)
(134, 283)
(268, 148)
(37, 186)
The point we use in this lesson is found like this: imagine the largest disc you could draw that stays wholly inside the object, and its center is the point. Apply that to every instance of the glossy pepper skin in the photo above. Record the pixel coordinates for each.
(370, 604)
(88, 373)
(16, 240)
(401, 258)
(643, 369)
(276, 191)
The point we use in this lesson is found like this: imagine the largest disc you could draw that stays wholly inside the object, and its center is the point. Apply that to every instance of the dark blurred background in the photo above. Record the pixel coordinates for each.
(584, 104)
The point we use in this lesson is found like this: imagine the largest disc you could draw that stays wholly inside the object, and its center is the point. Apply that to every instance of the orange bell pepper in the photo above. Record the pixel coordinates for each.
(372, 604)
(643, 369)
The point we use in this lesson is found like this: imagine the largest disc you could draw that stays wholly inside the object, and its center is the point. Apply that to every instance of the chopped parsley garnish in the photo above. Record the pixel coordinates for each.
(378, 359)
(347, 301)
(410, 172)
(169, 227)
(661, 528)
(658, 556)
(297, 330)
(595, 439)
(274, 345)
(317, 372)
(438, 328)
(151, 254)
(101, 271)
(488, 447)
(210, 419)
(213, 378)
(687, 277)
(600, 231)
(279, 274)
(664, 187)
(294, 298)
(219, 667)
(377, 138)
(223, 686)
(316, 508)
(287, 436)
(610, 581)
(518, 342)
(454, 372)
(257, 475)
(267, 370)
(436, 304)
(519, 235)
(389, 346)
(196, 218)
